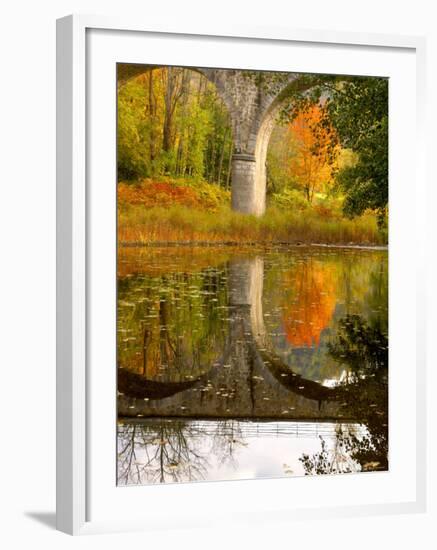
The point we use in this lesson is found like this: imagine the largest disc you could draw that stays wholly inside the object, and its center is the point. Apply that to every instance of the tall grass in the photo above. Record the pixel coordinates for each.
(181, 224)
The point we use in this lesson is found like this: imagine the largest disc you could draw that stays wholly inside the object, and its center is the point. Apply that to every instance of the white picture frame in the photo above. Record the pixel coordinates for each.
(76, 311)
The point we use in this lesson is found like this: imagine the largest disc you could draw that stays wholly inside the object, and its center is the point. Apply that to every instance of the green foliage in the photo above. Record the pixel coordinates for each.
(171, 122)
(280, 154)
(134, 131)
(359, 110)
(290, 199)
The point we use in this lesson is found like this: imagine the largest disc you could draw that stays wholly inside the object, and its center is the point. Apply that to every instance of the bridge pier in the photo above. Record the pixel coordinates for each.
(248, 196)
(246, 278)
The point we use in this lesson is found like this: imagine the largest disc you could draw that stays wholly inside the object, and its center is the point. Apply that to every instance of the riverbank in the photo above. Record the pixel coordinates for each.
(246, 245)
(181, 225)
(195, 212)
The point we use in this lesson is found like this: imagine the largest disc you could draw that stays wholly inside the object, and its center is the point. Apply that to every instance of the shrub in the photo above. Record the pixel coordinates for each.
(150, 193)
(290, 199)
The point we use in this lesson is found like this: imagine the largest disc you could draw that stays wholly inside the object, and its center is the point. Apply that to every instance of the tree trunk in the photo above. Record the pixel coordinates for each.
(222, 154)
(228, 176)
(168, 117)
(152, 113)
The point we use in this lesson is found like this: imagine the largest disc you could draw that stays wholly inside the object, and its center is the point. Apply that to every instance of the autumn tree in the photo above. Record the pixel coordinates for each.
(314, 143)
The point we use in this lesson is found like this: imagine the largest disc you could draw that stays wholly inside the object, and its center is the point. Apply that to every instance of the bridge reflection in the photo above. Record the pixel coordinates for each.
(248, 380)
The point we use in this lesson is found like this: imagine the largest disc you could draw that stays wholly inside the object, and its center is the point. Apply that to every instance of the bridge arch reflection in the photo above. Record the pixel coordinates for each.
(247, 380)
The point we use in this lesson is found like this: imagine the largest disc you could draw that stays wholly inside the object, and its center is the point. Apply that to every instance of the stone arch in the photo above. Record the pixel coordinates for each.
(265, 97)
(267, 123)
(262, 144)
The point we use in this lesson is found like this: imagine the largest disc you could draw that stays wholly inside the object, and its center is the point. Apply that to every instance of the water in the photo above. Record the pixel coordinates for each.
(250, 363)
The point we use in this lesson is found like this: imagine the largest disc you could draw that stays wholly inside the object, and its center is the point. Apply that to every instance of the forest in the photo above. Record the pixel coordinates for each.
(326, 167)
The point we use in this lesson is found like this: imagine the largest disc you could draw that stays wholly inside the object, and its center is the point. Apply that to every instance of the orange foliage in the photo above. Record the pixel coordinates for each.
(152, 193)
(314, 304)
(313, 139)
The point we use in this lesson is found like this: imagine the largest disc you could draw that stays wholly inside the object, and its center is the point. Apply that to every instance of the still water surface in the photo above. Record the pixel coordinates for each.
(249, 363)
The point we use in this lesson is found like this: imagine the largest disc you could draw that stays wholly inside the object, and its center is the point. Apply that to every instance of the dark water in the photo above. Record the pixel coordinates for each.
(237, 364)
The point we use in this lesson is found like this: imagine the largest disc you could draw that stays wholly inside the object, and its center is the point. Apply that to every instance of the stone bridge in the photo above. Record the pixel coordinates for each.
(248, 381)
(253, 101)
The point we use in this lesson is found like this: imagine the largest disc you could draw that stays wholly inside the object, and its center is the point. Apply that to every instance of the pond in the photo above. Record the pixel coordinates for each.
(242, 363)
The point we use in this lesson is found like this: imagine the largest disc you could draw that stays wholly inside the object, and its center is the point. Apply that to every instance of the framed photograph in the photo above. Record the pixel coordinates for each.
(240, 275)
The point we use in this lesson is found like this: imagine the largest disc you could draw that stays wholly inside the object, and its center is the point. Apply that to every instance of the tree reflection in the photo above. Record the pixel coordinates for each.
(161, 452)
(228, 438)
(363, 350)
(170, 327)
(164, 451)
(313, 304)
(335, 460)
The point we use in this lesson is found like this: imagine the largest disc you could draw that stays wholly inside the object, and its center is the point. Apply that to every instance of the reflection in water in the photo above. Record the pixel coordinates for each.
(162, 452)
(170, 450)
(225, 355)
(313, 304)
(363, 350)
